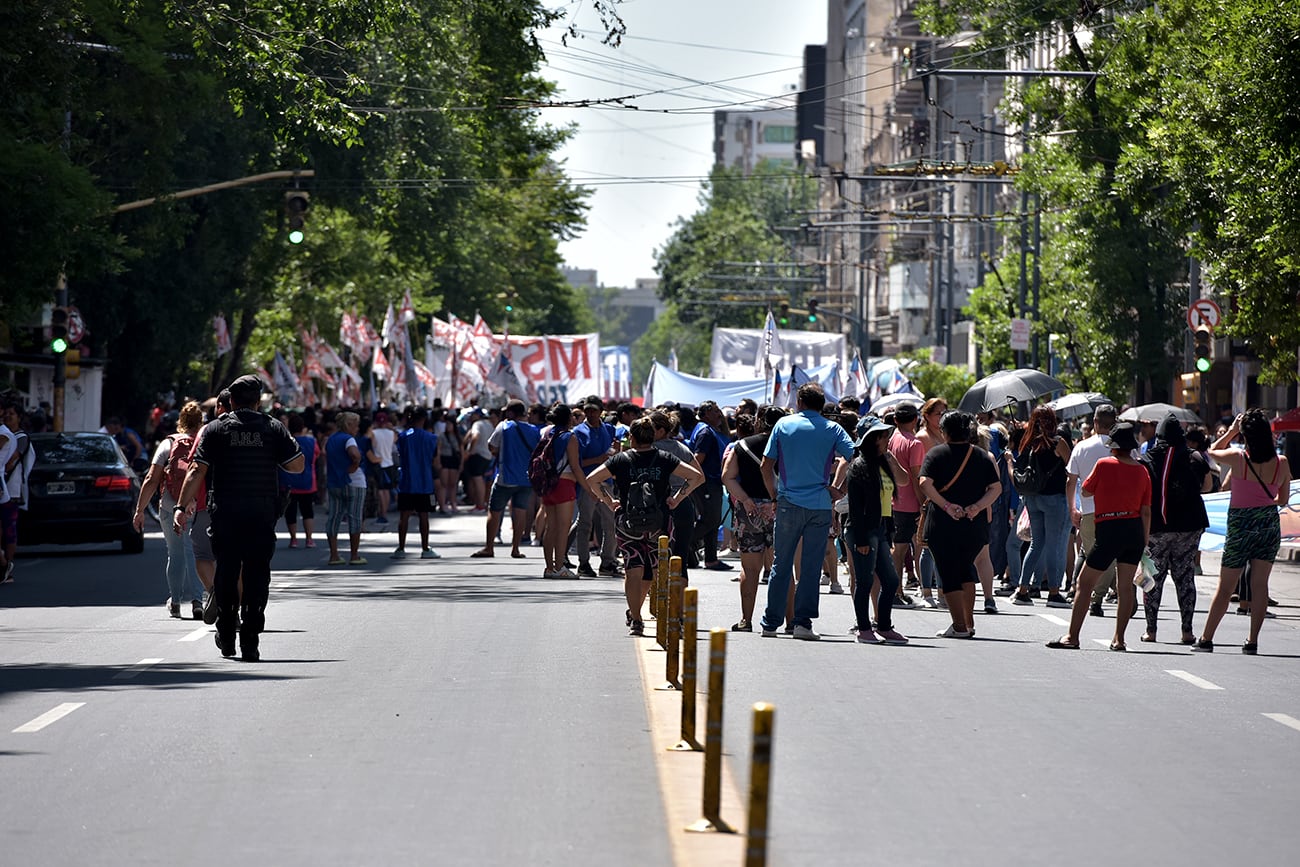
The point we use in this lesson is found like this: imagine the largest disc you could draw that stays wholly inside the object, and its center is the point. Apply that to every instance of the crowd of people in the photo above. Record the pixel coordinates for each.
(919, 506)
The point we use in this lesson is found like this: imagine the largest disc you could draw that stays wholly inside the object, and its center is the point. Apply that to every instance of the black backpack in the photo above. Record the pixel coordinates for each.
(643, 513)
(1027, 475)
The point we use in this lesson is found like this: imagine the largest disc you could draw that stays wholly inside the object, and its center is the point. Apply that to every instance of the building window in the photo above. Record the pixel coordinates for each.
(778, 134)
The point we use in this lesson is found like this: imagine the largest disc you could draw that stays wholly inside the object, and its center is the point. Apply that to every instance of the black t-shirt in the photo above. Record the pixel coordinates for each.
(1180, 473)
(243, 451)
(653, 466)
(748, 470)
(940, 466)
(1051, 468)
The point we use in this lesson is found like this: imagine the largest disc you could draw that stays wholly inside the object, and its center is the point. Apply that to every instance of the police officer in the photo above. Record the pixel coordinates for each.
(238, 455)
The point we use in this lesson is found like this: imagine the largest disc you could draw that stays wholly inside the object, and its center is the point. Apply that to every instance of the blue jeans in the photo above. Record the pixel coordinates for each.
(1049, 524)
(880, 564)
(793, 525)
(182, 578)
(929, 580)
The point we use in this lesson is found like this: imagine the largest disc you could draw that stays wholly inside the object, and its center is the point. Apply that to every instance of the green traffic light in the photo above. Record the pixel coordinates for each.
(1204, 365)
(812, 317)
(296, 236)
(59, 345)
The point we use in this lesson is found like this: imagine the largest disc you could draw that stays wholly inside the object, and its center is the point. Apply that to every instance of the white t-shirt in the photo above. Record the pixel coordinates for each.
(1082, 461)
(17, 481)
(382, 440)
(358, 477)
(7, 449)
(482, 436)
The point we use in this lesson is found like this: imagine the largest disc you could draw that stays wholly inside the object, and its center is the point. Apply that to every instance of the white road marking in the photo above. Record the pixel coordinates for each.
(49, 717)
(1102, 641)
(1192, 679)
(1052, 618)
(1288, 721)
(196, 634)
(128, 673)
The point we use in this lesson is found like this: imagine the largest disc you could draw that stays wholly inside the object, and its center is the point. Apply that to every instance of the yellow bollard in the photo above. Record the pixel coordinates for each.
(659, 598)
(712, 820)
(674, 618)
(760, 777)
(690, 617)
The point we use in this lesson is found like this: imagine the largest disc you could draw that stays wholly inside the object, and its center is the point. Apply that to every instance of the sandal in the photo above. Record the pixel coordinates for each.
(1149, 637)
(1063, 643)
(1118, 646)
(1250, 648)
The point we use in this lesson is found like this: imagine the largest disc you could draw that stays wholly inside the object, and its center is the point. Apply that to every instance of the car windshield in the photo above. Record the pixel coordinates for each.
(76, 450)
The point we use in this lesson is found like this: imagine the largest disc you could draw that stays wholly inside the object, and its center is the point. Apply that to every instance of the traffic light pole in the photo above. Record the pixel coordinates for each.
(60, 365)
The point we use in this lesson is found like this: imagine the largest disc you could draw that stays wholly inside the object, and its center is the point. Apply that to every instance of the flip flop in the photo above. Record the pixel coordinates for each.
(1063, 643)
(1148, 637)
(1117, 647)
(519, 555)
(482, 554)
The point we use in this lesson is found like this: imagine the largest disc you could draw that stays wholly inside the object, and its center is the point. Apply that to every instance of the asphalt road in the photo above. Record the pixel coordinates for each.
(467, 712)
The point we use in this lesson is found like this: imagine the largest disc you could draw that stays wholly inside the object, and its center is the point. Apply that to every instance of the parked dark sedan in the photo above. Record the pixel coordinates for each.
(81, 490)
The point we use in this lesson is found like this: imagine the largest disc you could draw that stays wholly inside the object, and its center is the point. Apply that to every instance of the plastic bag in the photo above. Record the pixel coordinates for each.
(1145, 577)
(1023, 532)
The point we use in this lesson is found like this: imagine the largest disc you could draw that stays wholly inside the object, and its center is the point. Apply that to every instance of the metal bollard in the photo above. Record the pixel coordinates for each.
(712, 820)
(760, 777)
(674, 618)
(659, 597)
(690, 652)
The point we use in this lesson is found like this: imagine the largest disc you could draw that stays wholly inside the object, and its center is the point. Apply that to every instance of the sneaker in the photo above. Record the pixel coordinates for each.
(892, 637)
(637, 628)
(358, 561)
(430, 554)
(1035, 593)
(763, 579)
(1056, 600)
(826, 579)
(902, 600)
(952, 632)
(789, 629)
(1202, 646)
(837, 589)
(196, 609)
(209, 607)
(399, 554)
(769, 631)
(173, 608)
(803, 633)
(868, 636)
(585, 571)
(628, 616)
(1250, 648)
(311, 543)
(929, 602)
(381, 520)
(1095, 610)
(1021, 599)
(564, 573)
(1004, 590)
(742, 626)
(249, 653)
(719, 566)
(990, 606)
(608, 572)
(941, 603)
(293, 543)
(225, 645)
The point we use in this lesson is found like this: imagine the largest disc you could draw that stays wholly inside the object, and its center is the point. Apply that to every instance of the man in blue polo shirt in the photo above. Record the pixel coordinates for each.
(803, 448)
(512, 442)
(709, 442)
(417, 449)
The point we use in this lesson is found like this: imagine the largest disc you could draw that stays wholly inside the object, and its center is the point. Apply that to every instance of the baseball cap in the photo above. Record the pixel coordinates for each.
(246, 389)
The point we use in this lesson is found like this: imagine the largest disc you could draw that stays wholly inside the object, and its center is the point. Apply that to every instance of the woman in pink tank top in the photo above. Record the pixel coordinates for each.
(1261, 482)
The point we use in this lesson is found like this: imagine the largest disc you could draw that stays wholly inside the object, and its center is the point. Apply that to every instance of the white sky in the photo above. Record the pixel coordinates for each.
(670, 44)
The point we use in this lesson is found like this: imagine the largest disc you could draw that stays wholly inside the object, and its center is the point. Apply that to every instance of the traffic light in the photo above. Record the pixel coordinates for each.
(72, 364)
(1191, 383)
(784, 318)
(59, 330)
(1203, 349)
(296, 203)
(812, 311)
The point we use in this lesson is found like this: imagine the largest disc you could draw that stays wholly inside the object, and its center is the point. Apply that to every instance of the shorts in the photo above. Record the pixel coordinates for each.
(305, 503)
(388, 477)
(518, 496)
(954, 555)
(201, 537)
(905, 525)
(9, 523)
(477, 465)
(565, 491)
(751, 532)
(418, 503)
(449, 462)
(640, 552)
(1119, 540)
(1253, 534)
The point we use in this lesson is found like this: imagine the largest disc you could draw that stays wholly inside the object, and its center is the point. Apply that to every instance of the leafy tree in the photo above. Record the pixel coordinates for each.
(948, 381)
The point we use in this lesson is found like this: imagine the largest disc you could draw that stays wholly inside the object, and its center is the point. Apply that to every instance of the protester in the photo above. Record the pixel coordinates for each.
(130, 442)
(642, 516)
(449, 461)
(512, 442)
(803, 447)
(960, 482)
(1082, 460)
(868, 531)
(16, 459)
(384, 440)
(417, 450)
(477, 455)
(301, 486)
(681, 529)
(346, 486)
(1178, 478)
(237, 455)
(560, 501)
(909, 454)
(166, 474)
(753, 510)
(595, 439)
(1254, 527)
(1121, 488)
(708, 442)
(1040, 479)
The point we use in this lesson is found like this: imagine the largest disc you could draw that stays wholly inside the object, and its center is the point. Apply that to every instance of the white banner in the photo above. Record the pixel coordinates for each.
(616, 372)
(563, 367)
(735, 351)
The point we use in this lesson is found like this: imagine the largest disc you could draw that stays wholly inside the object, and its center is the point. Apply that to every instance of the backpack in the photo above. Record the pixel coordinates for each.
(178, 464)
(1027, 475)
(543, 472)
(642, 514)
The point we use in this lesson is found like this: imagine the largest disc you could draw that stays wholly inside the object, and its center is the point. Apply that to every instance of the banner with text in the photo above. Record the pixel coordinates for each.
(563, 367)
(735, 351)
(616, 372)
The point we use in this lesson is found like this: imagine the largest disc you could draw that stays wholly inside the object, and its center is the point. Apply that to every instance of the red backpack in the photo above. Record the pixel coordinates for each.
(543, 473)
(178, 464)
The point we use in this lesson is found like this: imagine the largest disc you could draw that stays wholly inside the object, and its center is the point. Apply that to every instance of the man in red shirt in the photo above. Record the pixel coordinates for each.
(1121, 491)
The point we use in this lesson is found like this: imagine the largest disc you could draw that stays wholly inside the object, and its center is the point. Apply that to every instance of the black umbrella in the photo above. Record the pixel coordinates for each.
(1007, 387)
(1078, 403)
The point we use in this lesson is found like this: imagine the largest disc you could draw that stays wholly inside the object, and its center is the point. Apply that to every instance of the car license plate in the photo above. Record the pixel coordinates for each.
(60, 487)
